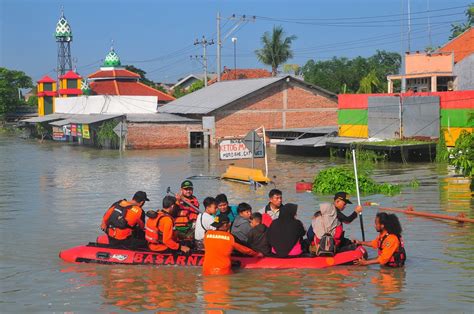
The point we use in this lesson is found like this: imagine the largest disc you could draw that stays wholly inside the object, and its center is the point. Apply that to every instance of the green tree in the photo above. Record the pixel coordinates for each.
(463, 154)
(195, 86)
(343, 75)
(370, 84)
(10, 82)
(292, 68)
(276, 48)
(458, 29)
(180, 92)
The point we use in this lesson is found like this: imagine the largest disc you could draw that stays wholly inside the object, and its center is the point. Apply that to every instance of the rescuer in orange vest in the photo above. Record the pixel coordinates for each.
(124, 222)
(389, 243)
(218, 247)
(159, 228)
(187, 215)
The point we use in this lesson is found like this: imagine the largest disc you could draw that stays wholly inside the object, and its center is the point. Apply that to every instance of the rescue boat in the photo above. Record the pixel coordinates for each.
(104, 254)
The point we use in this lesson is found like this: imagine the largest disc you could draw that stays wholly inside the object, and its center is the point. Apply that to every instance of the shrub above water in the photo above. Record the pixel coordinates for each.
(335, 179)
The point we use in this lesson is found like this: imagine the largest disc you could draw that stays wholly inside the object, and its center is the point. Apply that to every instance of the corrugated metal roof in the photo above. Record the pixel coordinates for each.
(220, 94)
(46, 118)
(84, 119)
(216, 96)
(157, 118)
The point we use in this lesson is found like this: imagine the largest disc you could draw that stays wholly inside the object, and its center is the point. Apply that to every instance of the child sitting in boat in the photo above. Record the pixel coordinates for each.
(389, 243)
(241, 225)
(204, 222)
(285, 234)
(257, 238)
(223, 207)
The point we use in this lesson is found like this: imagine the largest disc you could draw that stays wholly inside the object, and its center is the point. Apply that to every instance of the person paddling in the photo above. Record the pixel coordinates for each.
(187, 215)
(121, 221)
(159, 228)
(325, 222)
(219, 245)
(389, 243)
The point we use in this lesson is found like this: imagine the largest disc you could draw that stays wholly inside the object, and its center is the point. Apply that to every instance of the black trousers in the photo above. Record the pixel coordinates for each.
(346, 245)
(128, 243)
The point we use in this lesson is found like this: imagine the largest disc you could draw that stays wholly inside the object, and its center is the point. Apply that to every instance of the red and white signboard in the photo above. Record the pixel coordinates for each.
(235, 148)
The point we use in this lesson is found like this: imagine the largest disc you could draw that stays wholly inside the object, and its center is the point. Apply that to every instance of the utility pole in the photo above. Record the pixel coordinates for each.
(409, 27)
(429, 24)
(234, 40)
(204, 43)
(240, 21)
(218, 47)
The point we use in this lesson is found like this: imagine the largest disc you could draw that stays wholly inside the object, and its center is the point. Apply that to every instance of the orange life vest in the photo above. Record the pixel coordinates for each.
(399, 257)
(152, 231)
(187, 214)
(114, 223)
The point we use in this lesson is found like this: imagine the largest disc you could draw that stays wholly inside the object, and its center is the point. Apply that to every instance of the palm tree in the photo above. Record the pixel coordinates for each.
(276, 48)
(370, 84)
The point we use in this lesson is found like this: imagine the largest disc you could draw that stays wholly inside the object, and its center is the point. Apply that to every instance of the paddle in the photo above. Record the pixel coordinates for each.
(358, 194)
(168, 191)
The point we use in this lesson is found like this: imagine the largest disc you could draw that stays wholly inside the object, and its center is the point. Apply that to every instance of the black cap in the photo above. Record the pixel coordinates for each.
(140, 196)
(342, 196)
(220, 220)
(186, 184)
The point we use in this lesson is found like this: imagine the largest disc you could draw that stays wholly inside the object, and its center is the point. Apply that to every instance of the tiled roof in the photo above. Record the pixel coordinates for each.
(46, 79)
(131, 88)
(114, 74)
(70, 75)
(239, 74)
(462, 45)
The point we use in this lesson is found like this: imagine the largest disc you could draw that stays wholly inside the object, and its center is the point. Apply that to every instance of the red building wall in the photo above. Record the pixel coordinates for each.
(154, 135)
(286, 105)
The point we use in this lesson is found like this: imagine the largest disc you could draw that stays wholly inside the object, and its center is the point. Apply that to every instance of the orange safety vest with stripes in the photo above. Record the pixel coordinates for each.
(120, 218)
(152, 230)
(186, 214)
(399, 256)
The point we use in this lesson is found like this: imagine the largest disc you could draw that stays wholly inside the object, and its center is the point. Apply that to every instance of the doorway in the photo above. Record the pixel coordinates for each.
(196, 139)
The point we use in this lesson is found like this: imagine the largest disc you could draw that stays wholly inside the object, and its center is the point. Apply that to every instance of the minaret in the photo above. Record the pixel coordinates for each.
(63, 37)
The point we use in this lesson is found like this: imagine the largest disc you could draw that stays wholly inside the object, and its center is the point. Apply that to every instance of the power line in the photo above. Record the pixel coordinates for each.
(361, 17)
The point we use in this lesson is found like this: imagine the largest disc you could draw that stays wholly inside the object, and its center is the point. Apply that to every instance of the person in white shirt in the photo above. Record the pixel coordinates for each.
(204, 222)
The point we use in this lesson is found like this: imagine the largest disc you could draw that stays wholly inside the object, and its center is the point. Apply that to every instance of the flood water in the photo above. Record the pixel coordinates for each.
(53, 196)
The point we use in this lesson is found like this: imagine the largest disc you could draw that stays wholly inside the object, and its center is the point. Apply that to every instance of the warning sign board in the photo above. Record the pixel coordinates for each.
(235, 148)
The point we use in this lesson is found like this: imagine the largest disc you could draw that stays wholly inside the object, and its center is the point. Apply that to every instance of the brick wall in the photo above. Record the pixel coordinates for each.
(154, 135)
(285, 105)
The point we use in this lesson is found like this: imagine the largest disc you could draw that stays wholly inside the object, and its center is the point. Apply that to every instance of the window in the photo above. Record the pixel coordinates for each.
(71, 83)
(47, 87)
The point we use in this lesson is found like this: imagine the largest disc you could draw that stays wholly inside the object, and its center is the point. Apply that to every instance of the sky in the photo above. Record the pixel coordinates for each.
(158, 36)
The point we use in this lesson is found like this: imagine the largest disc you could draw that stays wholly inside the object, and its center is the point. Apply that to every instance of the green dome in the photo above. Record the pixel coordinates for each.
(63, 29)
(112, 59)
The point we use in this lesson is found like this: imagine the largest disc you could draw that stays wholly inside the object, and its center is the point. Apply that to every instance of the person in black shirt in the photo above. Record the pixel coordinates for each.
(341, 199)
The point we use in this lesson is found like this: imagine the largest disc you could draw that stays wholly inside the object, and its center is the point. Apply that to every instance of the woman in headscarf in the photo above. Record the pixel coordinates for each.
(325, 221)
(286, 232)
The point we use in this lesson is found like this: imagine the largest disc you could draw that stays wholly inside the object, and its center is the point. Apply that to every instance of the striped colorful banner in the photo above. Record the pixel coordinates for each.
(353, 130)
(352, 116)
(461, 118)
